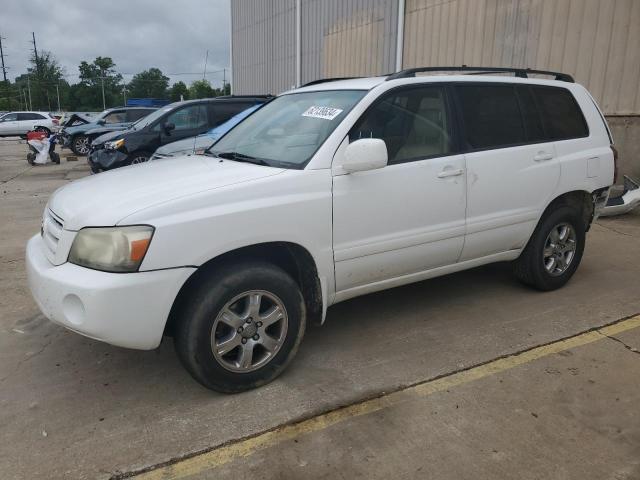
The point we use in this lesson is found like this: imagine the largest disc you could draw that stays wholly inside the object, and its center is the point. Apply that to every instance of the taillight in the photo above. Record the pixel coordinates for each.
(615, 164)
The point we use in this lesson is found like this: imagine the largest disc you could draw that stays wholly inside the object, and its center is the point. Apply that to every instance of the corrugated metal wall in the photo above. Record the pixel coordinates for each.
(264, 46)
(597, 41)
(348, 38)
(339, 38)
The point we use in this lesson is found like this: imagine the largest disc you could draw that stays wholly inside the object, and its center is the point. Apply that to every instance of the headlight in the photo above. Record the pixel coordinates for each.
(115, 145)
(111, 249)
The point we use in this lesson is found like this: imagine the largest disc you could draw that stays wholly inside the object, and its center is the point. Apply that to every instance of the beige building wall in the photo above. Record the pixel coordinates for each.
(597, 41)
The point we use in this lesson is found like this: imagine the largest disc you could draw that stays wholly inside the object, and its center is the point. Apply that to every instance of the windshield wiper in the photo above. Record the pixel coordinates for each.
(239, 157)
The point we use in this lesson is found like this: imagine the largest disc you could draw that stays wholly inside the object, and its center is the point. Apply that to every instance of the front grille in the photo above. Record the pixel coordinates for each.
(51, 232)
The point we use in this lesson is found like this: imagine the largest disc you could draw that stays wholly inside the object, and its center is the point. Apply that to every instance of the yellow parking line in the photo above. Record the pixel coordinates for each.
(242, 448)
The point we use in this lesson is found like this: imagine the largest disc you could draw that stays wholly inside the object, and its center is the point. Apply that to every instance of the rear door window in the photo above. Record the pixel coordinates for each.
(491, 116)
(533, 126)
(560, 112)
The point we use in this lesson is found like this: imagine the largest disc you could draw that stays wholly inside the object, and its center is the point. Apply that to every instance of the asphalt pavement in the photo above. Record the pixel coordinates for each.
(71, 407)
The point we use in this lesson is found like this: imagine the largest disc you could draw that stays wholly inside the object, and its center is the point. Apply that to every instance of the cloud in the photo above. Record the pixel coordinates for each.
(171, 35)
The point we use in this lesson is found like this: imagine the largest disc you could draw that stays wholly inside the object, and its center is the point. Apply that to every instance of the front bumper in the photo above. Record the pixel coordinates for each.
(124, 309)
(65, 139)
(102, 159)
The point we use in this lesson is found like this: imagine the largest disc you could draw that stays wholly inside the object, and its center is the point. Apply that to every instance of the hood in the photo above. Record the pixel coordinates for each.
(80, 128)
(188, 145)
(102, 129)
(110, 135)
(107, 198)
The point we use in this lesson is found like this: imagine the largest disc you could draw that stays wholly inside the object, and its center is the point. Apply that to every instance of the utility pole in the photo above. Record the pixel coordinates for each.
(35, 53)
(206, 59)
(124, 94)
(4, 69)
(58, 94)
(104, 104)
(224, 81)
(35, 50)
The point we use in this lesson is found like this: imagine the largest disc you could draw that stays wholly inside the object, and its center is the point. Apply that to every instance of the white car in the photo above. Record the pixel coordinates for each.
(330, 191)
(14, 124)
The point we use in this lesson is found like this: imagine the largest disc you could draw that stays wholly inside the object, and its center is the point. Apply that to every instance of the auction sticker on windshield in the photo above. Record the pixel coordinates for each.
(327, 113)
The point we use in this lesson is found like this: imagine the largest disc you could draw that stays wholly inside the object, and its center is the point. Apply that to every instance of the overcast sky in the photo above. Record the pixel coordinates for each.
(172, 35)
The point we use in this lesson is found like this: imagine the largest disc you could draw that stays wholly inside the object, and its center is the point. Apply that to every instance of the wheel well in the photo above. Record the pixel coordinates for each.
(581, 200)
(292, 258)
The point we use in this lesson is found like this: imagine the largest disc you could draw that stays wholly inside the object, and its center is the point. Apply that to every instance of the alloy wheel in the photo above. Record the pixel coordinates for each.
(82, 145)
(249, 331)
(559, 249)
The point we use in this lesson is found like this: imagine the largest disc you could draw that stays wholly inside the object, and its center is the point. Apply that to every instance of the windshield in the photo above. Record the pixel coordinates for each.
(287, 131)
(152, 117)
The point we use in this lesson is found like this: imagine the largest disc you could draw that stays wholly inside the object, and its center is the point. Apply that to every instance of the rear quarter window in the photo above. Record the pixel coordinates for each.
(560, 113)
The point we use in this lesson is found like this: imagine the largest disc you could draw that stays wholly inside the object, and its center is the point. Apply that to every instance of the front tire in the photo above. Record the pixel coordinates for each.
(138, 157)
(80, 145)
(241, 326)
(554, 250)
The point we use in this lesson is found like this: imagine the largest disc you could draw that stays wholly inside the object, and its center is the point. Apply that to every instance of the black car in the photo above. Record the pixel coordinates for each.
(174, 122)
(78, 133)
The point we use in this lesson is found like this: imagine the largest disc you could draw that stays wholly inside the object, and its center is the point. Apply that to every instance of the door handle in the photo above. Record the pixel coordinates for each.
(542, 157)
(450, 172)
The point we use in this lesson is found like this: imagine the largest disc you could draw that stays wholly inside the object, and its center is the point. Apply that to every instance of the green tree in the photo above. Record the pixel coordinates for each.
(201, 89)
(43, 75)
(224, 90)
(88, 94)
(178, 90)
(11, 97)
(151, 83)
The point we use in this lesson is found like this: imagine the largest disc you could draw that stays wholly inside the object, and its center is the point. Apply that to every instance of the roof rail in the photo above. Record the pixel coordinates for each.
(261, 95)
(323, 80)
(519, 72)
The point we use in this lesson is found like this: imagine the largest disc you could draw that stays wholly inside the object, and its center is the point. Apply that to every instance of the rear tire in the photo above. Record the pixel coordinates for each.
(554, 250)
(241, 326)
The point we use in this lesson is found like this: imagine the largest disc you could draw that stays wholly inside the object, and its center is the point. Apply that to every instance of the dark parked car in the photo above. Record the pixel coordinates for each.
(174, 122)
(78, 137)
(200, 143)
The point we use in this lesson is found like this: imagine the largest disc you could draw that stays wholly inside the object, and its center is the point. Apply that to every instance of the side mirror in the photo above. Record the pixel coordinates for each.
(102, 121)
(169, 127)
(365, 154)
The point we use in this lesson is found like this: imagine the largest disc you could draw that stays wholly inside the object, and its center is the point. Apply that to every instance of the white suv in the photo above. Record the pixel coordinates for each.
(19, 123)
(330, 191)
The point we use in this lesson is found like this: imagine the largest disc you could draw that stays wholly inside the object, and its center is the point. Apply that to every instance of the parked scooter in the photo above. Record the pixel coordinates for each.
(42, 148)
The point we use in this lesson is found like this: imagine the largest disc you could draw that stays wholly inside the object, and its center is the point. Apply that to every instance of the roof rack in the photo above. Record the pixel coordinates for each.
(519, 72)
(262, 95)
(323, 80)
